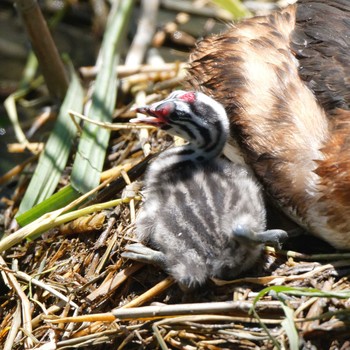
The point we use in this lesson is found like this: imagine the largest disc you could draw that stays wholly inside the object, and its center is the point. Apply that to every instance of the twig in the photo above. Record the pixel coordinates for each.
(278, 279)
(272, 309)
(44, 47)
(46, 287)
(107, 252)
(144, 34)
(314, 257)
(110, 126)
(111, 285)
(132, 202)
(151, 293)
(16, 323)
(25, 305)
(17, 169)
(125, 71)
(34, 147)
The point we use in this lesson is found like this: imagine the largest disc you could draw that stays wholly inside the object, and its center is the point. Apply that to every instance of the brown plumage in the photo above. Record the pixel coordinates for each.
(284, 80)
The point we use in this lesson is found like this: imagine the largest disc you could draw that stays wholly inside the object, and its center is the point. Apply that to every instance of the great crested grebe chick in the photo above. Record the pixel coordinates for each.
(203, 216)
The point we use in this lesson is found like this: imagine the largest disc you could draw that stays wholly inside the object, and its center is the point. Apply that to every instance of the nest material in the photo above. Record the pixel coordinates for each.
(76, 269)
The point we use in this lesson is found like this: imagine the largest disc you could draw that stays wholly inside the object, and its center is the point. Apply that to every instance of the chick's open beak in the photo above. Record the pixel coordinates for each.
(155, 114)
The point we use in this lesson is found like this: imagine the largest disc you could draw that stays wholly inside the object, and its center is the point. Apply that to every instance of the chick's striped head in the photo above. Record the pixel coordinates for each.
(193, 116)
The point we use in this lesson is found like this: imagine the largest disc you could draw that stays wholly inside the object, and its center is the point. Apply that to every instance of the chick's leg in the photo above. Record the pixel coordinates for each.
(249, 237)
(141, 253)
(274, 237)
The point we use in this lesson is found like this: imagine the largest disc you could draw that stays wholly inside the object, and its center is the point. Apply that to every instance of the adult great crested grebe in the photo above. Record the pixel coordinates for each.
(203, 216)
(284, 80)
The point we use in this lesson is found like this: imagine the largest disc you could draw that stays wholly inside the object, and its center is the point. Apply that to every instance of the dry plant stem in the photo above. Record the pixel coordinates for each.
(93, 328)
(270, 309)
(304, 306)
(132, 202)
(315, 257)
(186, 319)
(257, 280)
(17, 169)
(151, 293)
(69, 329)
(25, 304)
(110, 126)
(103, 236)
(40, 121)
(44, 47)
(34, 147)
(135, 169)
(57, 218)
(10, 106)
(75, 341)
(38, 319)
(168, 84)
(138, 82)
(140, 100)
(16, 323)
(279, 280)
(126, 152)
(144, 34)
(46, 287)
(124, 71)
(107, 252)
(243, 335)
(316, 309)
(234, 308)
(115, 172)
(113, 283)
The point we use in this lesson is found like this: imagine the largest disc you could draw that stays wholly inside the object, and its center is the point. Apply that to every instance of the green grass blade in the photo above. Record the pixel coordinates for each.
(27, 83)
(289, 327)
(58, 200)
(54, 219)
(54, 158)
(303, 291)
(94, 140)
(288, 323)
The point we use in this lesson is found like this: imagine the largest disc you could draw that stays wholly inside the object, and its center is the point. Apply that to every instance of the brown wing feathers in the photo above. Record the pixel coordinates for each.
(285, 82)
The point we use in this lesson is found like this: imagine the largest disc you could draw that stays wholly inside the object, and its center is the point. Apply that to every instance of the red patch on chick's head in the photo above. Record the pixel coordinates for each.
(189, 97)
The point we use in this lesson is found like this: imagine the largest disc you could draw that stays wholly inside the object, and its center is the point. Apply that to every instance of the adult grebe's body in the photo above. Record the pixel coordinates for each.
(284, 80)
(203, 216)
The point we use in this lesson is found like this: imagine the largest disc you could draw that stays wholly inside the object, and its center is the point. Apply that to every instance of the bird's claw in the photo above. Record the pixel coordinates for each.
(274, 237)
(141, 253)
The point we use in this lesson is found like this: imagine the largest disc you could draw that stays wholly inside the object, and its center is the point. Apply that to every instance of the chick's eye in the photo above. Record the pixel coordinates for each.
(179, 115)
(164, 109)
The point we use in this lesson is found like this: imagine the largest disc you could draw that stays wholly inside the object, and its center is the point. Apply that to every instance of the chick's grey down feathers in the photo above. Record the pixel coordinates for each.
(190, 213)
(201, 218)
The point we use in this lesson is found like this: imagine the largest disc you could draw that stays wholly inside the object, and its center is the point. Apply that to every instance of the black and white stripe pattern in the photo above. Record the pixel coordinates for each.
(203, 124)
(190, 214)
(195, 201)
